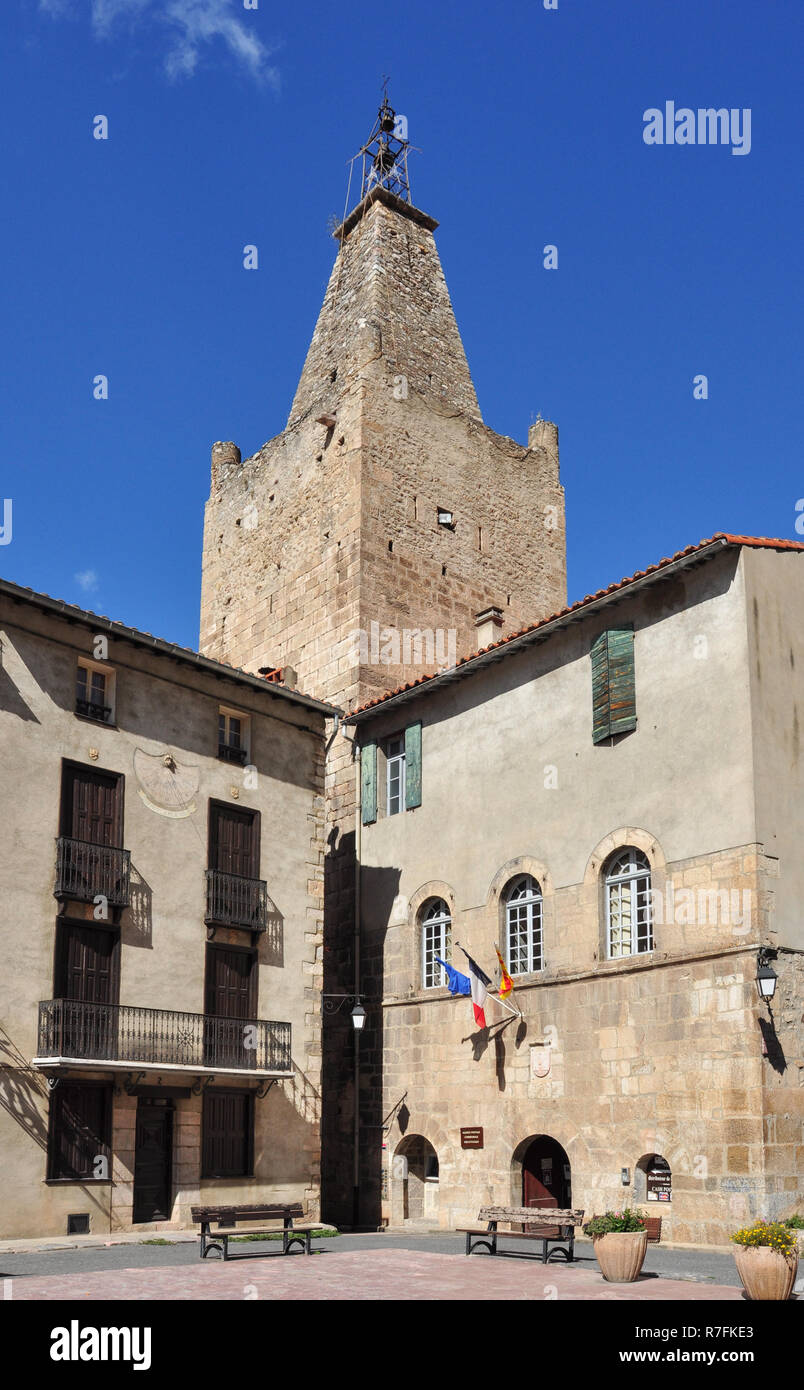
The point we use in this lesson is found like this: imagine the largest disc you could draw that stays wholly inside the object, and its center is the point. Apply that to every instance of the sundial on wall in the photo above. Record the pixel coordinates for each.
(167, 786)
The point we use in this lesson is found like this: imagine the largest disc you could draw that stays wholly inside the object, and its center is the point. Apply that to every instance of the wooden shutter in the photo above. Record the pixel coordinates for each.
(368, 782)
(92, 806)
(87, 964)
(413, 766)
(231, 983)
(227, 1129)
(613, 683)
(234, 841)
(79, 1129)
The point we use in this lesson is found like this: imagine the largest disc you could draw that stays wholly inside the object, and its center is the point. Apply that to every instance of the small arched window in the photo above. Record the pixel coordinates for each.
(436, 941)
(629, 925)
(523, 926)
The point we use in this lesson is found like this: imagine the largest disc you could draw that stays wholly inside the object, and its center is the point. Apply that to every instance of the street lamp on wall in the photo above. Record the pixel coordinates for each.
(333, 1003)
(766, 977)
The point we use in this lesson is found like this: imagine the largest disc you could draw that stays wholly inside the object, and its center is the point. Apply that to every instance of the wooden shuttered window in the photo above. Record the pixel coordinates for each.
(234, 840)
(412, 774)
(368, 782)
(80, 1130)
(613, 685)
(91, 805)
(413, 766)
(227, 1135)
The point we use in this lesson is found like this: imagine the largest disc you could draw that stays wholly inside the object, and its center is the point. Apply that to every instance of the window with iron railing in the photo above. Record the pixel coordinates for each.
(233, 737)
(93, 693)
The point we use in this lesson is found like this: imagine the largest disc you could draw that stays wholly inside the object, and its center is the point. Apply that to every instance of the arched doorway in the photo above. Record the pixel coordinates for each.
(546, 1174)
(414, 1179)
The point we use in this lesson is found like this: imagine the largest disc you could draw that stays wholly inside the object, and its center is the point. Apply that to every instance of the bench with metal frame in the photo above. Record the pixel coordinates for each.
(558, 1232)
(229, 1219)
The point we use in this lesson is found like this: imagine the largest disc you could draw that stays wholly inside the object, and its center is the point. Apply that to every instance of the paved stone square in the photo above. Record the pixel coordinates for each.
(360, 1275)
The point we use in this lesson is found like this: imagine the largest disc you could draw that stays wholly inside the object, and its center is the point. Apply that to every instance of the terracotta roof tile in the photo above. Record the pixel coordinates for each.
(757, 542)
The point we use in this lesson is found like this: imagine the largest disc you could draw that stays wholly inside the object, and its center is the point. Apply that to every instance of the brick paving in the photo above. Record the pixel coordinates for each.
(384, 1275)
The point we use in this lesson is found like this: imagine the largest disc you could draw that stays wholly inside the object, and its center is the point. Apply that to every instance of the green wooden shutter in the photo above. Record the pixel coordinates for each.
(613, 684)
(413, 766)
(368, 782)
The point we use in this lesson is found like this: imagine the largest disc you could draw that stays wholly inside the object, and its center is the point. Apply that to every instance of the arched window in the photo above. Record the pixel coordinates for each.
(436, 941)
(523, 926)
(629, 926)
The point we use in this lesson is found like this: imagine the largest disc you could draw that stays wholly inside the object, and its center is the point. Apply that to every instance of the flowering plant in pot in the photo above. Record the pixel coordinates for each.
(796, 1225)
(767, 1260)
(620, 1240)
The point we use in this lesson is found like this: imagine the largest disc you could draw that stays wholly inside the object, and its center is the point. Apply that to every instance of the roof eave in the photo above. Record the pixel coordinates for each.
(539, 633)
(60, 608)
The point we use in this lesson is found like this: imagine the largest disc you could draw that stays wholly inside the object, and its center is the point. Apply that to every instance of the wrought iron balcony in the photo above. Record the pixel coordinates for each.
(84, 871)
(231, 753)
(233, 901)
(70, 1030)
(92, 710)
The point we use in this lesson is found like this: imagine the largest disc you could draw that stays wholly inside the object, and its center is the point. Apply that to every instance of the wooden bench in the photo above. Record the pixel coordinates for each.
(229, 1219)
(558, 1232)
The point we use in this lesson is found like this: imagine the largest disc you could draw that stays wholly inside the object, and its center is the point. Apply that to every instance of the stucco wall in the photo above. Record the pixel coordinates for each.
(660, 1053)
(160, 708)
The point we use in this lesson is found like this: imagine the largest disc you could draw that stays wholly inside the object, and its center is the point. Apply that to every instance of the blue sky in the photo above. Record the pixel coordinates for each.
(230, 126)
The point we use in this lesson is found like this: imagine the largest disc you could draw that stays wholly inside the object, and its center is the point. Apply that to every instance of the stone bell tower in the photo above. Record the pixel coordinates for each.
(384, 507)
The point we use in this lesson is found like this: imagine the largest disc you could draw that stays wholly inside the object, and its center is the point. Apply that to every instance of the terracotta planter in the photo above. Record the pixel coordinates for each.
(765, 1273)
(620, 1255)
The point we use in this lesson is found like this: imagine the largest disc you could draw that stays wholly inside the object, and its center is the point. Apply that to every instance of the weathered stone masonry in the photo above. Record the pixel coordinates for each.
(329, 528)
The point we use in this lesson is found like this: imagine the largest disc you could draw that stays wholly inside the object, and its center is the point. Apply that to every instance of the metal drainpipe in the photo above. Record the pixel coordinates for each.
(356, 947)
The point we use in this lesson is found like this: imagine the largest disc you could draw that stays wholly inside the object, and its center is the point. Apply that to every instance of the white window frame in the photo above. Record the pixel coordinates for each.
(436, 940)
(395, 762)
(227, 713)
(101, 668)
(628, 894)
(523, 902)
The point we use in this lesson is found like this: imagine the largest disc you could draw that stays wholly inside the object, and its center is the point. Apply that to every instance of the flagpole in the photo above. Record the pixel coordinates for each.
(517, 1013)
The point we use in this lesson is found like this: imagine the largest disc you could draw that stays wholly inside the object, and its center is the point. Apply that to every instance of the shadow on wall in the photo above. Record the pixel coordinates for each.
(12, 701)
(772, 1046)
(272, 940)
(21, 1087)
(495, 1033)
(186, 719)
(136, 927)
(379, 888)
(293, 1112)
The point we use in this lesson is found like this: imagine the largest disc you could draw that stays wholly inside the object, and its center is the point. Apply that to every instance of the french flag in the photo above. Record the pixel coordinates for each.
(480, 983)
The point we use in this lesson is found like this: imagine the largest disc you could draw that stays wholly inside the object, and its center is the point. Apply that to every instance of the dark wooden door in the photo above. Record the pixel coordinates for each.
(92, 806)
(152, 1162)
(87, 980)
(545, 1180)
(231, 999)
(87, 964)
(234, 841)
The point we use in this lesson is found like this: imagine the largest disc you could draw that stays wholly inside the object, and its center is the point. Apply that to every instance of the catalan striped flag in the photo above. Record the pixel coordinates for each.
(506, 983)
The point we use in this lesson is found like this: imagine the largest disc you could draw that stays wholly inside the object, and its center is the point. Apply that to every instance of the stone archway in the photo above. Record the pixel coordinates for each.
(653, 1181)
(414, 1182)
(541, 1175)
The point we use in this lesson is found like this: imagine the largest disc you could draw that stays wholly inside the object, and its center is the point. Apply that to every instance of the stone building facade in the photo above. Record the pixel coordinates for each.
(161, 921)
(358, 546)
(642, 1068)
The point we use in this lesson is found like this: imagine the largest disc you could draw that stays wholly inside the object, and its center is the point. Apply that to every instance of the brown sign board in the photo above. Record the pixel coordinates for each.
(472, 1137)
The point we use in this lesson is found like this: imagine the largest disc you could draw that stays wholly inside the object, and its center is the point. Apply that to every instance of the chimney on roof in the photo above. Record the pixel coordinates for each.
(489, 626)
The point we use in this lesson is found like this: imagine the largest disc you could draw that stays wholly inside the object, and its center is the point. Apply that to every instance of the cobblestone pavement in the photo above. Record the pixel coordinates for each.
(356, 1275)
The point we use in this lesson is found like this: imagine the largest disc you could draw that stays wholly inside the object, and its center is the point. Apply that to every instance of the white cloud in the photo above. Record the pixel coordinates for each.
(87, 579)
(192, 28)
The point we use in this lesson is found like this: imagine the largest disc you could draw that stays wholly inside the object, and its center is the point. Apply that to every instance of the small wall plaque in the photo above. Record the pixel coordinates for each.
(472, 1137)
